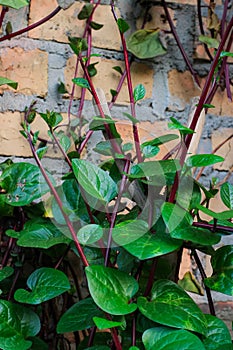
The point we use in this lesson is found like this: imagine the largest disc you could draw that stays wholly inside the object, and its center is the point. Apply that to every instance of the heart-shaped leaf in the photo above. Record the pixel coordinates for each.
(196, 235)
(17, 323)
(89, 234)
(163, 338)
(146, 43)
(217, 333)
(139, 92)
(96, 182)
(171, 306)
(72, 202)
(222, 277)
(150, 245)
(111, 289)
(79, 316)
(45, 283)
(40, 233)
(15, 4)
(23, 184)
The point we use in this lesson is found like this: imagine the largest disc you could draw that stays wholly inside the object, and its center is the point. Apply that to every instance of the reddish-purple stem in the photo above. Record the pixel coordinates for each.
(32, 26)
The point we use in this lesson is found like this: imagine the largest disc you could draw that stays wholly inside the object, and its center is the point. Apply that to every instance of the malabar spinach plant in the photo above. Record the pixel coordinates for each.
(94, 259)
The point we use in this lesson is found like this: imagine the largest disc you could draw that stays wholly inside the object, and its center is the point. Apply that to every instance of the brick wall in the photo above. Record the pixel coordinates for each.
(40, 59)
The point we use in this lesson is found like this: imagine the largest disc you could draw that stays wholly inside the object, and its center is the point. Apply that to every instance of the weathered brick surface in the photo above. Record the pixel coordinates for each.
(226, 150)
(66, 23)
(157, 19)
(28, 68)
(181, 88)
(107, 78)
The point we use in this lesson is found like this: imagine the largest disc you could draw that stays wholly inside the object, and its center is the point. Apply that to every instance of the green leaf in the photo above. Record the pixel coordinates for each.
(83, 83)
(226, 54)
(15, 4)
(64, 141)
(6, 272)
(95, 182)
(41, 151)
(41, 233)
(104, 147)
(190, 284)
(61, 88)
(90, 234)
(79, 316)
(118, 69)
(217, 333)
(52, 118)
(122, 25)
(222, 277)
(131, 118)
(23, 184)
(175, 217)
(151, 245)
(150, 151)
(171, 306)
(129, 231)
(163, 338)
(38, 344)
(200, 160)
(45, 284)
(17, 323)
(96, 26)
(139, 92)
(113, 92)
(224, 215)
(158, 168)
(77, 44)
(5, 81)
(208, 105)
(174, 124)
(85, 12)
(91, 69)
(226, 193)
(102, 323)
(72, 202)
(158, 141)
(210, 42)
(146, 43)
(196, 235)
(111, 289)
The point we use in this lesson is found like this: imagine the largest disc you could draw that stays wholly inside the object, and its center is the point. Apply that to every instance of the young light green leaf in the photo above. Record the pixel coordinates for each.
(222, 277)
(102, 323)
(226, 54)
(174, 124)
(226, 193)
(41, 233)
(210, 42)
(85, 12)
(6, 272)
(139, 92)
(45, 284)
(23, 184)
(5, 81)
(41, 151)
(217, 333)
(164, 338)
(83, 83)
(90, 234)
(17, 324)
(171, 306)
(15, 4)
(96, 182)
(146, 43)
(200, 160)
(79, 316)
(122, 25)
(111, 289)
